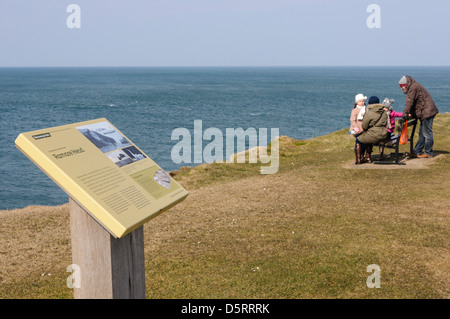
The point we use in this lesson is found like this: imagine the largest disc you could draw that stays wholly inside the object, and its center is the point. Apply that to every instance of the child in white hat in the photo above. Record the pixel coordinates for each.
(357, 114)
(356, 118)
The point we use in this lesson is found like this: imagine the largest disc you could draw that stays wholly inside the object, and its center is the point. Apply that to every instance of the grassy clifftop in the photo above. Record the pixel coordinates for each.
(308, 231)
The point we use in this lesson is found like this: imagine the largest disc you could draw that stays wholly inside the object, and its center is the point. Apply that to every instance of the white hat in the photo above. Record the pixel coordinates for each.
(360, 97)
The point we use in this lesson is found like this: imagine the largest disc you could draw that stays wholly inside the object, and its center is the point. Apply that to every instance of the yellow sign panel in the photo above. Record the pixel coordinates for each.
(104, 172)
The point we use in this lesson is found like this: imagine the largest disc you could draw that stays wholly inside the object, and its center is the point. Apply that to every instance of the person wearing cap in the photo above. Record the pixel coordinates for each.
(419, 104)
(374, 125)
(391, 113)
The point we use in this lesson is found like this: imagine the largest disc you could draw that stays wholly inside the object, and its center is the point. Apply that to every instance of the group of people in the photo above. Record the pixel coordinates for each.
(376, 122)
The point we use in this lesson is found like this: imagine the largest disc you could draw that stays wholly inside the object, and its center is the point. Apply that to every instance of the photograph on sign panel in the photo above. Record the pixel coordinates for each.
(120, 158)
(162, 178)
(134, 153)
(104, 136)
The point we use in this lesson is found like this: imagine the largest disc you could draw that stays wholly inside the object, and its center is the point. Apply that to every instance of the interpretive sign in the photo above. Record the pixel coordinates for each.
(104, 172)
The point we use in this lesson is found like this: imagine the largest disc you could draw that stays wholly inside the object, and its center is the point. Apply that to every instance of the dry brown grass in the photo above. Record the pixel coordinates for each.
(309, 231)
(34, 246)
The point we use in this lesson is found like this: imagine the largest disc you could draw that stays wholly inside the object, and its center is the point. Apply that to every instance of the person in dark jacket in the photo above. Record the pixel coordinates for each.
(419, 104)
(374, 125)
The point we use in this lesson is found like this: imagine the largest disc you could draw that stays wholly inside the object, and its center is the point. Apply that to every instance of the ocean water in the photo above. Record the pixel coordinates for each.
(147, 104)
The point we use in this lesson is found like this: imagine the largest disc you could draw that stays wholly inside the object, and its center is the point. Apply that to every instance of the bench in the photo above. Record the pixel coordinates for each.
(393, 142)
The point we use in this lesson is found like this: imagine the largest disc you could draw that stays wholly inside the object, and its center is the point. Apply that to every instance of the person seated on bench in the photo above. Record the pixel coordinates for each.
(392, 115)
(375, 128)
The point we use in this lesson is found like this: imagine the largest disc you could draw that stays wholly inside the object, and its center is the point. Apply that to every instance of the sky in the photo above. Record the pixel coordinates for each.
(224, 33)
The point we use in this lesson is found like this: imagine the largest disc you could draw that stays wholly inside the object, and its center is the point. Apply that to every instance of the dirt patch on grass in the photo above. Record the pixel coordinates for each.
(388, 162)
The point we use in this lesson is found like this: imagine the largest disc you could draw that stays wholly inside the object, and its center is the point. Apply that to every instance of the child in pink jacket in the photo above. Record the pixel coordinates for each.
(357, 114)
(392, 115)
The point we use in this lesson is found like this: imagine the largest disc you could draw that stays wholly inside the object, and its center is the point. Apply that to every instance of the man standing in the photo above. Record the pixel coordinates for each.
(420, 105)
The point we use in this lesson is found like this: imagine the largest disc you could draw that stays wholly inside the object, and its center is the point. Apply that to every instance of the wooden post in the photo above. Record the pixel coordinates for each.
(110, 268)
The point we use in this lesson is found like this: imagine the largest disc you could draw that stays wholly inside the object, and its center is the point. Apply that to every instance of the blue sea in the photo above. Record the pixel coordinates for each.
(147, 104)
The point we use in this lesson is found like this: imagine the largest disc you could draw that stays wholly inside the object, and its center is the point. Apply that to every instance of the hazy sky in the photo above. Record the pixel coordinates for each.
(224, 33)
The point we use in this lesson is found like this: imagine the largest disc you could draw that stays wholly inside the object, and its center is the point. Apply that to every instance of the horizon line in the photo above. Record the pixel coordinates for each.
(217, 66)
